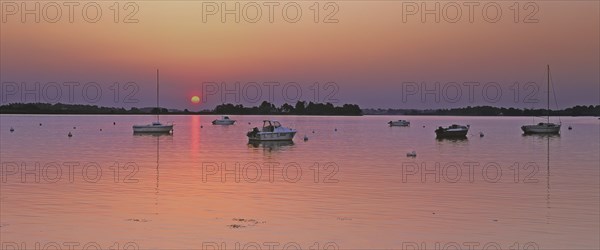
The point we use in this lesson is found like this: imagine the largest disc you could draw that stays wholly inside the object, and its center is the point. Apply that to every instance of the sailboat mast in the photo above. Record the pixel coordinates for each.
(548, 96)
(157, 103)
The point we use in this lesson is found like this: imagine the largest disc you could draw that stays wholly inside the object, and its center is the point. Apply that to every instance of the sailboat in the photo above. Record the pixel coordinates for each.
(155, 127)
(543, 127)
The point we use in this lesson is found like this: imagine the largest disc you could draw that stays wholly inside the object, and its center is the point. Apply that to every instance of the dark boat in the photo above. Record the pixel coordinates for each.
(454, 131)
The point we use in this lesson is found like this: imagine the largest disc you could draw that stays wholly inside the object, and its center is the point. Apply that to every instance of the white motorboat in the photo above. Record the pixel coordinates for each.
(544, 127)
(223, 121)
(399, 123)
(157, 126)
(271, 131)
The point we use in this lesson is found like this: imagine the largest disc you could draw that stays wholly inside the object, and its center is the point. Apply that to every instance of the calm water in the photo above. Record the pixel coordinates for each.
(353, 188)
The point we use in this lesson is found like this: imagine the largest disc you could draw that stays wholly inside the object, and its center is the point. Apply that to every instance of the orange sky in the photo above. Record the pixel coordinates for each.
(369, 53)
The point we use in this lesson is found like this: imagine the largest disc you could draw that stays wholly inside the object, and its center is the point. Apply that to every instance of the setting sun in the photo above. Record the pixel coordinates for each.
(195, 99)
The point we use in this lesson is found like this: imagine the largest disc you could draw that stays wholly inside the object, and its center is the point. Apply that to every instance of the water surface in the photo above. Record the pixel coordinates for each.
(353, 188)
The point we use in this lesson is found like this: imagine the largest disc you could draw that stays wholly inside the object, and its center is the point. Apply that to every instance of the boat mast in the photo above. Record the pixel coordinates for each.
(548, 96)
(157, 103)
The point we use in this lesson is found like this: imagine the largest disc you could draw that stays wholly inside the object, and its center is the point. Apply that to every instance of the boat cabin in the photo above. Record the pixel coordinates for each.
(269, 126)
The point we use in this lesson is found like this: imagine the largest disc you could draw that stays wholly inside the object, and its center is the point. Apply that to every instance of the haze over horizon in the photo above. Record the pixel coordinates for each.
(375, 55)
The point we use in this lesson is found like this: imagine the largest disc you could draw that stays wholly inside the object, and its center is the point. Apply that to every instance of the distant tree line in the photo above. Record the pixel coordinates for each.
(301, 108)
(265, 108)
(491, 111)
(59, 108)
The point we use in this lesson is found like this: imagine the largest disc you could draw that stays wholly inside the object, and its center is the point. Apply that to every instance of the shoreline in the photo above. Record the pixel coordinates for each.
(312, 109)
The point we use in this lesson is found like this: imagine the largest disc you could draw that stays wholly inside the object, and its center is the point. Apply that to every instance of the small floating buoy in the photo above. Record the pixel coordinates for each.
(201, 126)
(100, 129)
(249, 123)
(305, 138)
(313, 131)
(12, 129)
(335, 129)
(74, 127)
(70, 135)
(480, 134)
(570, 127)
(114, 123)
(423, 125)
(40, 124)
(411, 154)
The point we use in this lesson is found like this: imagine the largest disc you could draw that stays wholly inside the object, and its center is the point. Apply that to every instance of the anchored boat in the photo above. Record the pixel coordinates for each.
(399, 123)
(223, 121)
(154, 127)
(453, 131)
(271, 131)
(541, 128)
(544, 127)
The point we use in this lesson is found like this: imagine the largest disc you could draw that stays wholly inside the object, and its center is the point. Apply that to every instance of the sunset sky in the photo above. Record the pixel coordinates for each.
(371, 54)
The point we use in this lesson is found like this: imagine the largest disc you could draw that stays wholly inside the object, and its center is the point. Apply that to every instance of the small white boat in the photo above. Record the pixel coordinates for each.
(399, 123)
(541, 128)
(271, 131)
(155, 127)
(223, 121)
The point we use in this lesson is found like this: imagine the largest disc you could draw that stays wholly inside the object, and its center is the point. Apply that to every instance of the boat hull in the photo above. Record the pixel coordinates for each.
(451, 134)
(270, 144)
(399, 124)
(541, 129)
(217, 122)
(163, 129)
(272, 136)
(454, 131)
